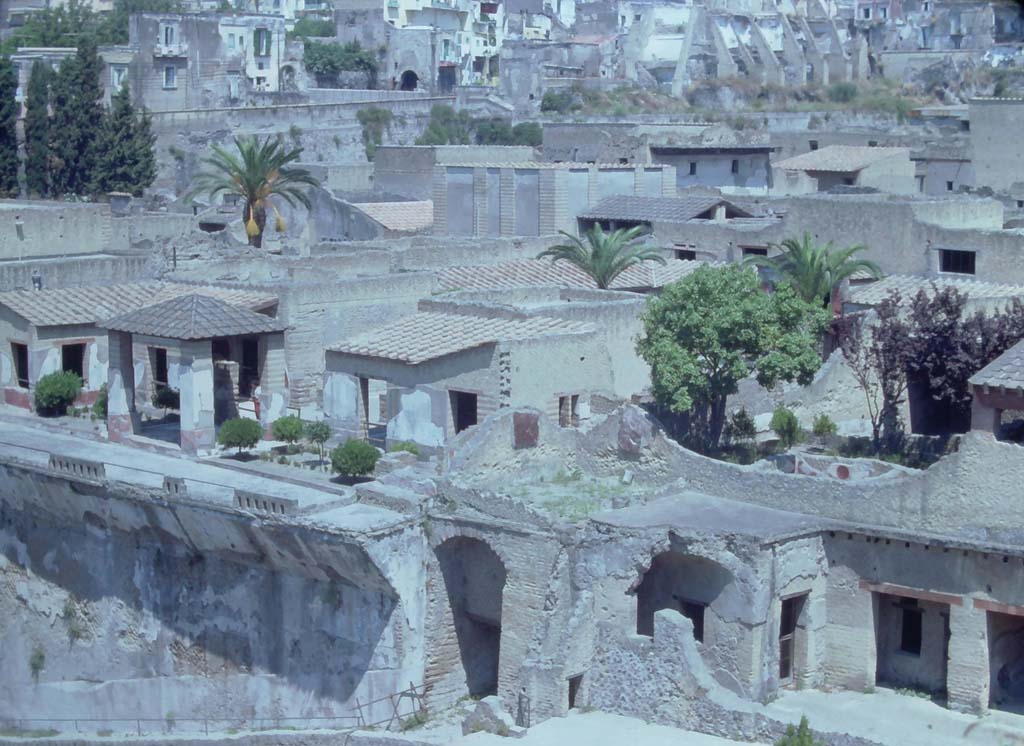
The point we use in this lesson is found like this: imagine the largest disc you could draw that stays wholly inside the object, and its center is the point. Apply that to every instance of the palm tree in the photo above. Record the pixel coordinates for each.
(258, 171)
(604, 256)
(814, 271)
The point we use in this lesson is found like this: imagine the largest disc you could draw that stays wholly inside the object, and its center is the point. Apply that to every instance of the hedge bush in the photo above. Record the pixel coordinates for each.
(55, 392)
(406, 445)
(785, 424)
(288, 429)
(240, 433)
(164, 397)
(824, 427)
(354, 458)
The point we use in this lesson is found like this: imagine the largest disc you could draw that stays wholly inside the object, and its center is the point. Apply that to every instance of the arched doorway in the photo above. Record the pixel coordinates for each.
(688, 584)
(474, 578)
(409, 81)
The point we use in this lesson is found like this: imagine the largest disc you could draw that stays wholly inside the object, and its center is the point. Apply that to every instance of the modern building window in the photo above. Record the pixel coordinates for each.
(20, 354)
(866, 13)
(926, 6)
(170, 77)
(168, 34)
(911, 627)
(118, 73)
(693, 168)
(636, 17)
(883, 12)
(72, 359)
(261, 42)
(959, 262)
(231, 42)
(949, 186)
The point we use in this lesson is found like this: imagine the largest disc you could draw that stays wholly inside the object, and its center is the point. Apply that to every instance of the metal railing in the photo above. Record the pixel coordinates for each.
(142, 726)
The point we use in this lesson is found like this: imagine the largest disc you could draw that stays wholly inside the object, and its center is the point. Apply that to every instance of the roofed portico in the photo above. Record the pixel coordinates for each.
(187, 330)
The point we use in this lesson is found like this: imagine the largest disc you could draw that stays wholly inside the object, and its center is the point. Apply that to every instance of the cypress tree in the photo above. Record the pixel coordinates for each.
(124, 149)
(77, 120)
(8, 130)
(37, 131)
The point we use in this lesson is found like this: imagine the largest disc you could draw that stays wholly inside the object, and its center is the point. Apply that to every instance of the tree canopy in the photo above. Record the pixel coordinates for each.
(815, 270)
(8, 130)
(715, 327)
(124, 149)
(450, 127)
(603, 256)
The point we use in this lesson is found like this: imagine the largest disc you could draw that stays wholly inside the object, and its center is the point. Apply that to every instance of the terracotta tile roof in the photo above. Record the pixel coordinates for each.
(95, 303)
(428, 335)
(841, 158)
(193, 316)
(658, 209)
(908, 285)
(405, 217)
(545, 272)
(1006, 371)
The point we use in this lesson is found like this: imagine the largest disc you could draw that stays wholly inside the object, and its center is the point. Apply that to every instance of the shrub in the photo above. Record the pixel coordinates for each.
(318, 433)
(55, 392)
(36, 662)
(561, 102)
(842, 93)
(164, 397)
(354, 458)
(785, 424)
(824, 427)
(99, 407)
(741, 426)
(312, 27)
(407, 446)
(289, 429)
(799, 736)
(239, 433)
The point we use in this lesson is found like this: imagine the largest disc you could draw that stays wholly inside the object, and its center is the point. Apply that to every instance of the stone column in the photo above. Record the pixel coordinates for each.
(121, 414)
(341, 402)
(197, 402)
(273, 380)
(967, 673)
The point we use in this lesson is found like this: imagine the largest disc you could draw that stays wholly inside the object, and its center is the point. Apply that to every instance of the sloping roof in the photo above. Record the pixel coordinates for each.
(841, 158)
(428, 335)
(92, 304)
(658, 209)
(1006, 371)
(193, 317)
(405, 217)
(908, 285)
(548, 273)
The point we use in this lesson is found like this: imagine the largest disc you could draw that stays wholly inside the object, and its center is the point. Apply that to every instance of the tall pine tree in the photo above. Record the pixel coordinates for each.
(8, 129)
(37, 131)
(77, 120)
(124, 149)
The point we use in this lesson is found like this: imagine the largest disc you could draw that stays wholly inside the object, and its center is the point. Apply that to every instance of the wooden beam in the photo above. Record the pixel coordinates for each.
(908, 592)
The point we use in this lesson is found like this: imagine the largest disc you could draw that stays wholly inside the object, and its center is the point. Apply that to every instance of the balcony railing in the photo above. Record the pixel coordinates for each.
(176, 49)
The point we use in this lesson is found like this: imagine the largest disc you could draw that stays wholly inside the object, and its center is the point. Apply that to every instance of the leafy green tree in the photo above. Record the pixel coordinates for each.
(164, 397)
(55, 392)
(354, 458)
(786, 426)
(374, 121)
(604, 256)
(327, 59)
(447, 127)
(715, 327)
(112, 27)
(824, 427)
(527, 133)
(8, 130)
(501, 132)
(799, 736)
(57, 25)
(813, 270)
(77, 120)
(288, 429)
(258, 171)
(318, 433)
(240, 433)
(125, 161)
(305, 27)
(37, 130)
(741, 427)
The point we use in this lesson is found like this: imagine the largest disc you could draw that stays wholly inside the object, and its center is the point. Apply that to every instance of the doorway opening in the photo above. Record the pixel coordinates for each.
(790, 637)
(464, 409)
(409, 81)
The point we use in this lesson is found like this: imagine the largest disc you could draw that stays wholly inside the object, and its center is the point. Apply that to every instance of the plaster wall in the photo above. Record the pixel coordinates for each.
(47, 229)
(998, 161)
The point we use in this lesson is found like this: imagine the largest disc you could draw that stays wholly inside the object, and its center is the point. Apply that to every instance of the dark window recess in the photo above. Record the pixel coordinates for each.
(159, 366)
(1020, 203)
(72, 359)
(910, 632)
(463, 409)
(249, 370)
(949, 186)
(694, 611)
(693, 168)
(814, 144)
(735, 166)
(872, 143)
(848, 180)
(686, 254)
(960, 262)
(755, 251)
(568, 411)
(20, 353)
(221, 349)
(574, 689)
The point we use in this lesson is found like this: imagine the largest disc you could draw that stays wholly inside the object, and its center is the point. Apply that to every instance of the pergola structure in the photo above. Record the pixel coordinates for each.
(187, 330)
